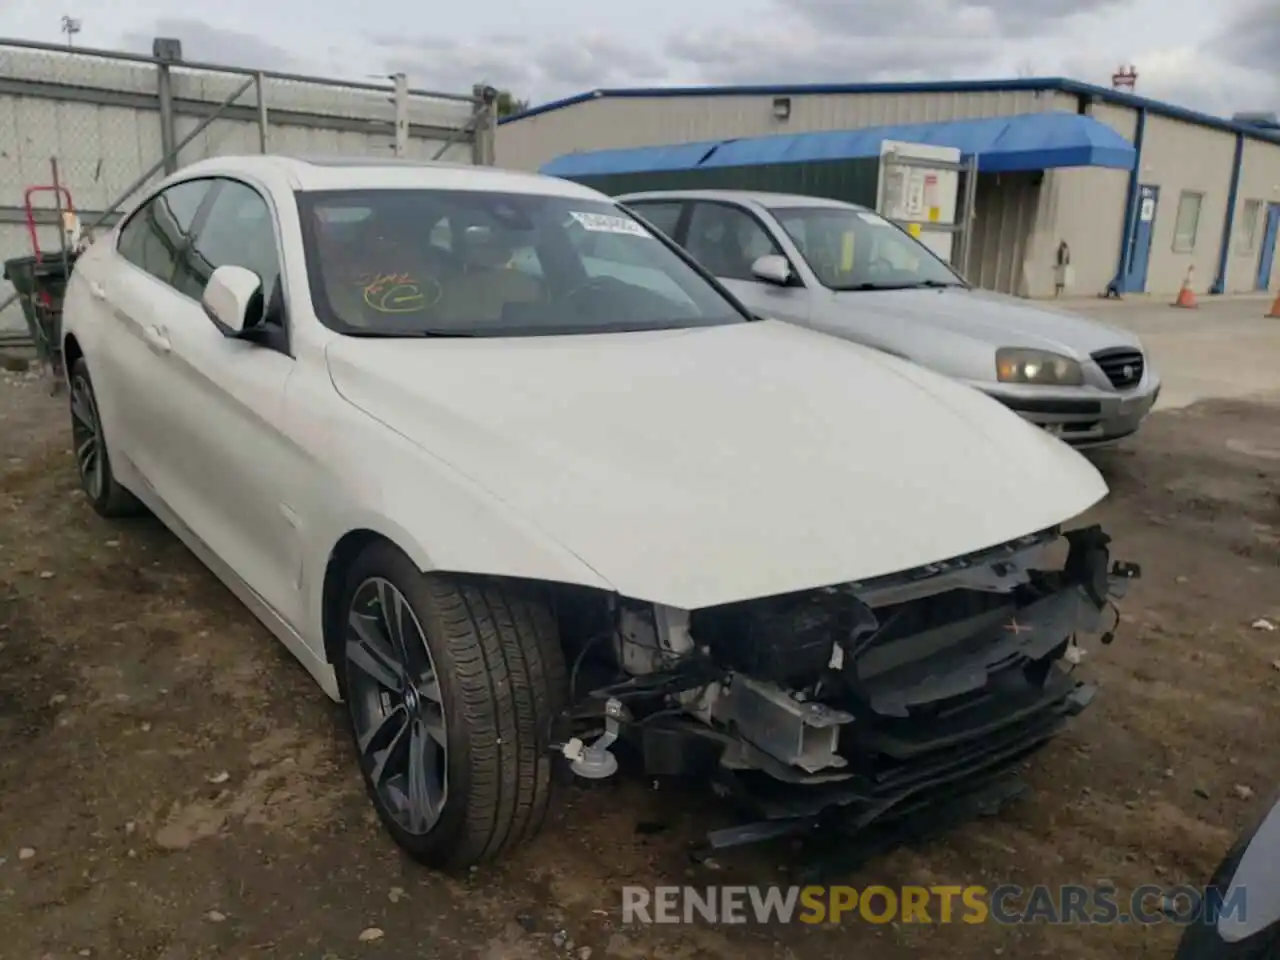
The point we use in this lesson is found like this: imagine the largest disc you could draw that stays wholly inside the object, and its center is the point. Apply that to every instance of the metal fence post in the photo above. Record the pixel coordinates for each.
(195, 132)
(260, 88)
(401, 101)
(477, 126)
(178, 97)
(167, 50)
(970, 213)
(484, 124)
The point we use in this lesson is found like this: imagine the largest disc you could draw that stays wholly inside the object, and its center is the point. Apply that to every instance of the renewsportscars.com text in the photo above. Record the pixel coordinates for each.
(1007, 904)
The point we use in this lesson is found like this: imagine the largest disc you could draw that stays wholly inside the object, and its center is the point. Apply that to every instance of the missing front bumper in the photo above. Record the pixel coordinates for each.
(937, 718)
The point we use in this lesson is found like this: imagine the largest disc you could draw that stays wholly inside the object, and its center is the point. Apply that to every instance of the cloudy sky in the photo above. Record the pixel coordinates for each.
(1218, 56)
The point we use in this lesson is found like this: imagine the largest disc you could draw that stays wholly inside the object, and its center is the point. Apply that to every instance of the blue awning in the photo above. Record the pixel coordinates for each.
(1031, 141)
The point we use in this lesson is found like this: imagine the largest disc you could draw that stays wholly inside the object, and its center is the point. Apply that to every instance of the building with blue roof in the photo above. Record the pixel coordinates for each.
(1135, 191)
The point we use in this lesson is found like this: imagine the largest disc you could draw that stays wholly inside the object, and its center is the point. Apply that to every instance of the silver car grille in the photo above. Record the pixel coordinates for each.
(1122, 365)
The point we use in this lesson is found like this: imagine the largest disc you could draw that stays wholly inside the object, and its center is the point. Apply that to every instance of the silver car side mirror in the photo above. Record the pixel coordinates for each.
(772, 268)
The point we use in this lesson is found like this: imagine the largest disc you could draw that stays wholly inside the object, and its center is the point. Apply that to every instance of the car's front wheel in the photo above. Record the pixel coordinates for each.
(89, 444)
(451, 684)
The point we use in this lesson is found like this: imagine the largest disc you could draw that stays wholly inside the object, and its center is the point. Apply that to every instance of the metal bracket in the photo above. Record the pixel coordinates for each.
(596, 762)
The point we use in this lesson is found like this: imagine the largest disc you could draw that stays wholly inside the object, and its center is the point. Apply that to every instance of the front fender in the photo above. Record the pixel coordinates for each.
(440, 518)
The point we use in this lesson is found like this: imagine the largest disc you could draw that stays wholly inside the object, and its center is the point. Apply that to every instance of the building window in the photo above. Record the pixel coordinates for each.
(1247, 242)
(1188, 221)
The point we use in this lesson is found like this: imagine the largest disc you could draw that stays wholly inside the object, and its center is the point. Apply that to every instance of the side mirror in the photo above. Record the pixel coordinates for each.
(233, 300)
(772, 268)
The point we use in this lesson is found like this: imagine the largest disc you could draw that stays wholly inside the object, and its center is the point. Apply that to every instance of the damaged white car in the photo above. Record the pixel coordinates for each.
(518, 506)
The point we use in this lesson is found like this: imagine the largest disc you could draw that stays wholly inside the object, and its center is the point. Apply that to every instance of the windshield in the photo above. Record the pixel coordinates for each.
(858, 250)
(477, 263)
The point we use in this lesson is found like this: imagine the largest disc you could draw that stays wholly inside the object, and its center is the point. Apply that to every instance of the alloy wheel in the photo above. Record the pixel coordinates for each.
(86, 436)
(393, 694)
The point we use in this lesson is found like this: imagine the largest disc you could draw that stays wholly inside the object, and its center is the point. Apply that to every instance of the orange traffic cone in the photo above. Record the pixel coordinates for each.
(1186, 298)
(1274, 312)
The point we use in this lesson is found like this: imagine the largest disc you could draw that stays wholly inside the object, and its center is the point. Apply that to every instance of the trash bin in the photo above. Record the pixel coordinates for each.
(41, 283)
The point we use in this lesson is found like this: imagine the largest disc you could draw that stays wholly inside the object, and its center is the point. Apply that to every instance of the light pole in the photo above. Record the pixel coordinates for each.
(70, 26)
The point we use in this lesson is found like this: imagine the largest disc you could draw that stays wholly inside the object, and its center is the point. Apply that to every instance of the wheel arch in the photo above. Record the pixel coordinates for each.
(443, 528)
(71, 352)
(358, 538)
(343, 554)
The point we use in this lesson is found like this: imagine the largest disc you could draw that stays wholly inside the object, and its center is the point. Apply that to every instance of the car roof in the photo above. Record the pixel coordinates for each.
(356, 172)
(757, 197)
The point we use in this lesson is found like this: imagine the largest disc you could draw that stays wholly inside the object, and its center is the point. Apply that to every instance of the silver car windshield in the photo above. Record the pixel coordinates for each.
(404, 262)
(859, 250)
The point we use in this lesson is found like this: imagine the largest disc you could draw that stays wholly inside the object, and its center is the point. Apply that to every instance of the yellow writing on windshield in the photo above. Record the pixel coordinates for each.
(393, 293)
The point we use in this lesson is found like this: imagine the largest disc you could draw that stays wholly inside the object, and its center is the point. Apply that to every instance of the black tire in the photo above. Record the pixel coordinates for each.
(501, 678)
(106, 495)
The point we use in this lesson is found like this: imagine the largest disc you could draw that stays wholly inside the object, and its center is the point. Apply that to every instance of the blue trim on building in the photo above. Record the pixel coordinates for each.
(1023, 142)
(668, 156)
(1229, 220)
(1033, 84)
(1119, 284)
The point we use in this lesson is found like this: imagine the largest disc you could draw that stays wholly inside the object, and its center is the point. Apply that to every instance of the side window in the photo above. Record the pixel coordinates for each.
(663, 214)
(238, 231)
(155, 236)
(1187, 224)
(727, 240)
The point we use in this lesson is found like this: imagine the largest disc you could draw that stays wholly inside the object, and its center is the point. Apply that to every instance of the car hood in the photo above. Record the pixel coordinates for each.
(703, 466)
(992, 318)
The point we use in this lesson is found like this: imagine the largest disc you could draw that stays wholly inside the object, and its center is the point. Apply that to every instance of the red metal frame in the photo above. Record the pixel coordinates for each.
(69, 206)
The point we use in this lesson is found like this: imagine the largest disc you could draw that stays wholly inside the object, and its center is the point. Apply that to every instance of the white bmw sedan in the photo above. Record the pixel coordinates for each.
(516, 498)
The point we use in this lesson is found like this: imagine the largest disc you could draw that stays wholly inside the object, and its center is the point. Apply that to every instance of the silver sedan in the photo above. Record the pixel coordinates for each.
(844, 270)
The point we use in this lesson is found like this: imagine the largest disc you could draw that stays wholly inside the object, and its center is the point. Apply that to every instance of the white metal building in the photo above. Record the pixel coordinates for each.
(1201, 192)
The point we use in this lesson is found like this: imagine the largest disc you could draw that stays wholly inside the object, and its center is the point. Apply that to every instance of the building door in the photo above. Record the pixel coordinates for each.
(1267, 255)
(1139, 252)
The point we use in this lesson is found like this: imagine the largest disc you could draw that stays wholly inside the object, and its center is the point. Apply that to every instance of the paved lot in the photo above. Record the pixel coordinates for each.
(173, 787)
(1225, 349)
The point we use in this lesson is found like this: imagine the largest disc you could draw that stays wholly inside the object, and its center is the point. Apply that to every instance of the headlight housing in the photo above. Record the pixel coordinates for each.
(1014, 365)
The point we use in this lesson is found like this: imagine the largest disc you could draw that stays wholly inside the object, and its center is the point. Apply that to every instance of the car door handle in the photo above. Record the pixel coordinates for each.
(98, 291)
(158, 339)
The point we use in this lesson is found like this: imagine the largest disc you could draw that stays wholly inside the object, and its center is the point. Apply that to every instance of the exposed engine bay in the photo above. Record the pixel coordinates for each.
(860, 702)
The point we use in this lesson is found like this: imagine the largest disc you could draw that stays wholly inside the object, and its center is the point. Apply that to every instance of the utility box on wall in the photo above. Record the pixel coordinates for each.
(919, 188)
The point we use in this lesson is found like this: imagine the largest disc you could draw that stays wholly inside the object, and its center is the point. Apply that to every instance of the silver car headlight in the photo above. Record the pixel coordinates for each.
(1014, 365)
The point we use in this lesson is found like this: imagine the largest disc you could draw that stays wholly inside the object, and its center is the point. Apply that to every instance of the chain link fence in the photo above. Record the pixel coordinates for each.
(107, 124)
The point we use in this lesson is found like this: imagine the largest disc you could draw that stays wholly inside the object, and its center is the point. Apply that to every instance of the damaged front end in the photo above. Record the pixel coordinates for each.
(859, 704)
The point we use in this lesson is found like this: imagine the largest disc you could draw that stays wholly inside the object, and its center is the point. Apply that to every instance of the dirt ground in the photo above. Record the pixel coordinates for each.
(173, 786)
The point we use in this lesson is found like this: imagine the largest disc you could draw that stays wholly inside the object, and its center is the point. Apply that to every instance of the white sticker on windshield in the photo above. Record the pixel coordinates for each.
(875, 218)
(607, 223)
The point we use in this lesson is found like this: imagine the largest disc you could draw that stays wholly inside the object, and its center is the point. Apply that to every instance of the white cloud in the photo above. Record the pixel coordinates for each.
(1217, 57)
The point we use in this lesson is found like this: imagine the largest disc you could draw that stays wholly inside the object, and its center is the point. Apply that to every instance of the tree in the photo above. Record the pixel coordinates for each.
(509, 104)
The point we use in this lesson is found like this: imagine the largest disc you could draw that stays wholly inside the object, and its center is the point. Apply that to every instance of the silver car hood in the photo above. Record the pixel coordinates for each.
(990, 318)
